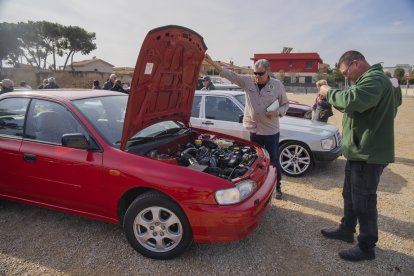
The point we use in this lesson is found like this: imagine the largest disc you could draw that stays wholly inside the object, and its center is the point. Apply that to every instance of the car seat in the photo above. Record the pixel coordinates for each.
(51, 125)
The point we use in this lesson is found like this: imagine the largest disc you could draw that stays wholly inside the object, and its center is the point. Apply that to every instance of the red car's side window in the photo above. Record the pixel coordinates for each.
(12, 114)
(47, 121)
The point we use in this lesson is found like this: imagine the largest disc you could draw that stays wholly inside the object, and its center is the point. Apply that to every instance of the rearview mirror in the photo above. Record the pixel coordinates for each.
(241, 118)
(75, 140)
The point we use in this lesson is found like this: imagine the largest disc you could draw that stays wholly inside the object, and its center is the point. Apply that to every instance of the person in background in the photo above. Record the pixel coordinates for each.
(109, 84)
(207, 84)
(44, 83)
(118, 87)
(368, 146)
(262, 91)
(7, 85)
(23, 84)
(322, 110)
(51, 84)
(96, 85)
(397, 91)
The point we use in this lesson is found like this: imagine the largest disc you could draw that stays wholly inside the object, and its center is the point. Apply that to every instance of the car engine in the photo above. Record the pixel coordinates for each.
(219, 157)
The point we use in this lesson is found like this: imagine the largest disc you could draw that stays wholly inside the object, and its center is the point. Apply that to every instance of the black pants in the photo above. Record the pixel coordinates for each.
(360, 201)
(271, 144)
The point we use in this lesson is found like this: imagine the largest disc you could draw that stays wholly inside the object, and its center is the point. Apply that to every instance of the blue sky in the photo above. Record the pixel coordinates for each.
(234, 29)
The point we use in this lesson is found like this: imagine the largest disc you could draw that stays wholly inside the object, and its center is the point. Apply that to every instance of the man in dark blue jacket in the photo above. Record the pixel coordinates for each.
(110, 82)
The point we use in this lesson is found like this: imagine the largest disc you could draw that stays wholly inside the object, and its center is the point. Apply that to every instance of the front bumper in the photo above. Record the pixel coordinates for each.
(327, 155)
(225, 223)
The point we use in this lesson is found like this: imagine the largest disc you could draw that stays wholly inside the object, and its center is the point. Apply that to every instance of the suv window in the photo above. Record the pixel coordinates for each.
(222, 108)
(12, 114)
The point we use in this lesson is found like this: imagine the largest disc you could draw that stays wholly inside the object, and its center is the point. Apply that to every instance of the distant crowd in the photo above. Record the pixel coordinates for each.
(113, 83)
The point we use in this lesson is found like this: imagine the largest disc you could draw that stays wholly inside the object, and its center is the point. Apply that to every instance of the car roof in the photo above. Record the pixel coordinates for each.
(219, 92)
(67, 94)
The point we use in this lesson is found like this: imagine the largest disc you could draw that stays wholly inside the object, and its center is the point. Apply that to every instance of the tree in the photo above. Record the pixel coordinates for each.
(399, 74)
(9, 44)
(32, 44)
(76, 40)
(35, 42)
(212, 72)
(52, 36)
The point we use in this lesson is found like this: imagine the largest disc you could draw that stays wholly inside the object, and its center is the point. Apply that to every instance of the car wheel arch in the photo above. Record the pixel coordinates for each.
(129, 196)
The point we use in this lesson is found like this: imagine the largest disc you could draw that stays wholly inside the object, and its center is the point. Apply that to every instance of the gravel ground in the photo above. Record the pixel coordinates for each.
(35, 241)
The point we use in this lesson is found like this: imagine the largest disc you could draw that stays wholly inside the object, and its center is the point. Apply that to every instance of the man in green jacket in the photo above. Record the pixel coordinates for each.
(368, 145)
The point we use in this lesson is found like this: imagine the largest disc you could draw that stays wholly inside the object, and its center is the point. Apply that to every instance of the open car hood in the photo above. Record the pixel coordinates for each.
(164, 80)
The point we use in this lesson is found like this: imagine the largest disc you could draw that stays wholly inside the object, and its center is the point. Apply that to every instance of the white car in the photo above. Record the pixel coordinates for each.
(302, 142)
(223, 84)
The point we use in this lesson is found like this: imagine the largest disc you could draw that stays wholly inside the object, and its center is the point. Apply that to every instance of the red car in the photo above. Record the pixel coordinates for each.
(134, 160)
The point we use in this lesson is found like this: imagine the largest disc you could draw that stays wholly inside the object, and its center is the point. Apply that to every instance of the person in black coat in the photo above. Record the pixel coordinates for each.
(6, 85)
(51, 84)
(109, 84)
(96, 85)
(118, 87)
(322, 109)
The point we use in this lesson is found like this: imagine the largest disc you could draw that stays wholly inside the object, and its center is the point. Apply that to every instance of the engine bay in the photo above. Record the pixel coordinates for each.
(224, 158)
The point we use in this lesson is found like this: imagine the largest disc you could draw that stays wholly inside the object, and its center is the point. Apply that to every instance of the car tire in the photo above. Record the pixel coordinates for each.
(157, 227)
(295, 159)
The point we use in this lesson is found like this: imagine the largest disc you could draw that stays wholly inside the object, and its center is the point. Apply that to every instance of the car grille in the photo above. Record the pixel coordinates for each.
(338, 138)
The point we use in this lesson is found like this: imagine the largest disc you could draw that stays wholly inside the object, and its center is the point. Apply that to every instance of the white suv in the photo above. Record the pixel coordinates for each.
(302, 142)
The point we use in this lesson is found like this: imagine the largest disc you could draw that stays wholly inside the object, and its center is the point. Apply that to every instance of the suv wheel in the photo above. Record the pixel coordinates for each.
(295, 159)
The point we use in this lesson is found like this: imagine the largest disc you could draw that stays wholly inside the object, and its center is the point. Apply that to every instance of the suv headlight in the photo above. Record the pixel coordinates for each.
(329, 143)
(237, 194)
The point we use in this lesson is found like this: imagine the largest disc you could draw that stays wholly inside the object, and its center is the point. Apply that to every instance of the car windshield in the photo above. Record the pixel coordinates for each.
(107, 114)
(241, 98)
(219, 80)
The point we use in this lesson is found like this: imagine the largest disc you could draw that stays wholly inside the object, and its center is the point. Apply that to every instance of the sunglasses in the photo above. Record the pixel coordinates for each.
(345, 72)
(259, 73)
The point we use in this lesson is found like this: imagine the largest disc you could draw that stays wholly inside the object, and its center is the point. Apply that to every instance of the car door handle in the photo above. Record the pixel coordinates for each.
(207, 123)
(28, 157)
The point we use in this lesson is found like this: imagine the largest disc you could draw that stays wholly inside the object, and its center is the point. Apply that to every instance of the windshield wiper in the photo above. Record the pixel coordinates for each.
(162, 134)
(172, 132)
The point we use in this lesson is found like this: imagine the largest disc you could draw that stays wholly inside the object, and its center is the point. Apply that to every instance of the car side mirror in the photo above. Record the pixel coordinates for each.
(75, 140)
(241, 118)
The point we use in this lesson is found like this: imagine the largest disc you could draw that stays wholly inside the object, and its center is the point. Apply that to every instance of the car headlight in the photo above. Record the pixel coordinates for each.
(329, 143)
(237, 194)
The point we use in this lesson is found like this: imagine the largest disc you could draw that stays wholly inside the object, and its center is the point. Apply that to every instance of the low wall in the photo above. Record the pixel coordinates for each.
(65, 79)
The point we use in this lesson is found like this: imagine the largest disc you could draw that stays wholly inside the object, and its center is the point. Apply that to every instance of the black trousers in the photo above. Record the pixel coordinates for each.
(271, 144)
(360, 201)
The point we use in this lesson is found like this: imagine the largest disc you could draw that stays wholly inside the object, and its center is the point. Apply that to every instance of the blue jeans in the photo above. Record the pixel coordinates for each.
(360, 201)
(271, 144)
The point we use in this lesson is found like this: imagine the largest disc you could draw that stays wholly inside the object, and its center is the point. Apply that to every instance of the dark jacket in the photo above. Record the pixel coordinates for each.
(322, 110)
(397, 93)
(108, 85)
(368, 121)
(210, 86)
(118, 88)
(51, 85)
(6, 89)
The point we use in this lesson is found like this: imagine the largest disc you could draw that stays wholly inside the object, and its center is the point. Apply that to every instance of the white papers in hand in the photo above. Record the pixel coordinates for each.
(273, 107)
